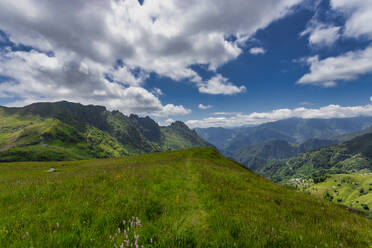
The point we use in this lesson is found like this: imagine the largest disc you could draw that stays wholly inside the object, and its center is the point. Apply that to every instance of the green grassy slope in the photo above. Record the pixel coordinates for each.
(179, 136)
(69, 131)
(189, 198)
(255, 157)
(352, 190)
(32, 138)
(347, 157)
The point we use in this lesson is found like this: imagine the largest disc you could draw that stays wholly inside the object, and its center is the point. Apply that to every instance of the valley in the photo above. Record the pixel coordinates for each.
(343, 151)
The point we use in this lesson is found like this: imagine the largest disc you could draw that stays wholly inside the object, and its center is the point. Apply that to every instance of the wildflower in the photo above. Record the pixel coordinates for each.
(27, 234)
(119, 230)
(57, 224)
(122, 245)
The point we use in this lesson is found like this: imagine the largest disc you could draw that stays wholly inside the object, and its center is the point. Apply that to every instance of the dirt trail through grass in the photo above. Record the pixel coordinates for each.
(197, 216)
(191, 198)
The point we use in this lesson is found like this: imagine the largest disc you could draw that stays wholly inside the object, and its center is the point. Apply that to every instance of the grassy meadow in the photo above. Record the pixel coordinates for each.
(352, 190)
(189, 198)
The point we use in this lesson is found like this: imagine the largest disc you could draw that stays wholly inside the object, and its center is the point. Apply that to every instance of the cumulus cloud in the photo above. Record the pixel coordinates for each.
(171, 109)
(329, 71)
(169, 121)
(359, 15)
(220, 85)
(322, 35)
(201, 106)
(349, 66)
(257, 50)
(103, 51)
(39, 77)
(331, 111)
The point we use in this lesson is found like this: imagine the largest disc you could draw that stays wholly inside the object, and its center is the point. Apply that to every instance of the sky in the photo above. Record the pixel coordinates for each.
(209, 63)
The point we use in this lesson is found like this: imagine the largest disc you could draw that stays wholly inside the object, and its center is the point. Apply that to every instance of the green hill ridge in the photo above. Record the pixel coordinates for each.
(70, 131)
(347, 157)
(353, 190)
(188, 198)
(257, 156)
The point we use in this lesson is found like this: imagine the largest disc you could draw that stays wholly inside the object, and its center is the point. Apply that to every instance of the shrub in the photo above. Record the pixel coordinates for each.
(328, 196)
(365, 206)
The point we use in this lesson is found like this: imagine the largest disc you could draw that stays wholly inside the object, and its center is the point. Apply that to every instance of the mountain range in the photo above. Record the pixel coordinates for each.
(294, 130)
(256, 156)
(69, 131)
(188, 198)
(256, 146)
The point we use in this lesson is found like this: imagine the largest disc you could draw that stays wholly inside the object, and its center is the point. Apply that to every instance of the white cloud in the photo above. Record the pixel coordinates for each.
(124, 75)
(257, 50)
(157, 92)
(38, 77)
(322, 35)
(220, 85)
(225, 113)
(169, 121)
(161, 36)
(349, 66)
(370, 98)
(170, 109)
(328, 72)
(330, 111)
(201, 106)
(358, 14)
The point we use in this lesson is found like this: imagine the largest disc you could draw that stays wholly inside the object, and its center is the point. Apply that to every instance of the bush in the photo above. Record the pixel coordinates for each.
(328, 196)
(361, 191)
(365, 206)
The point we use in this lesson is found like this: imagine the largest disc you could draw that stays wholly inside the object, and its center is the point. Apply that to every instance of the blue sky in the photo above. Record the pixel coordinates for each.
(207, 63)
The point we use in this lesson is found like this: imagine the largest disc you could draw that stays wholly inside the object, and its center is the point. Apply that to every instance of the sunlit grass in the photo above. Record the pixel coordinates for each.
(190, 198)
